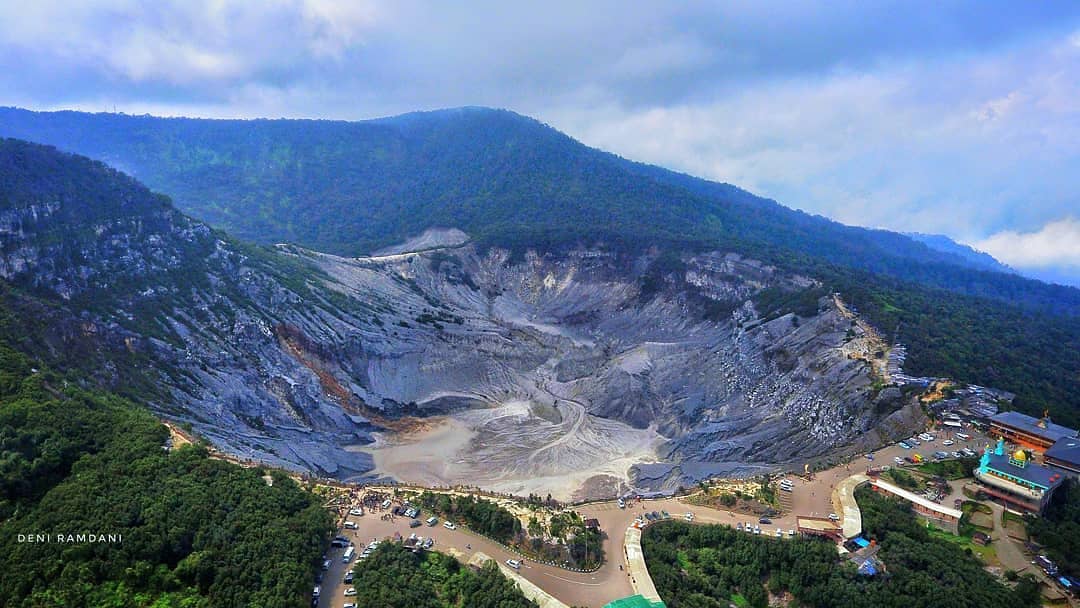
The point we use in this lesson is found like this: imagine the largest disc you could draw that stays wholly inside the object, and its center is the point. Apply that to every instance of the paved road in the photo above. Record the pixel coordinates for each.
(573, 588)
(809, 498)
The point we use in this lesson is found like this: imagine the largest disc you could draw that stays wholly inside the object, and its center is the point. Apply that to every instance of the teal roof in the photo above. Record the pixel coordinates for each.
(1035, 474)
(635, 601)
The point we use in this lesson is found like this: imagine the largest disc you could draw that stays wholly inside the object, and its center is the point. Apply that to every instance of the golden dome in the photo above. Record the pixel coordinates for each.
(1019, 455)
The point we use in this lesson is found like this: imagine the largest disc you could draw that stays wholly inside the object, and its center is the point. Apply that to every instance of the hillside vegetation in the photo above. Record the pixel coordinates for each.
(352, 187)
(709, 566)
(394, 577)
(194, 531)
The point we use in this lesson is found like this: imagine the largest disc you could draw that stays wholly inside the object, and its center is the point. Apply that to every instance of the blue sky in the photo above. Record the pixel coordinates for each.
(960, 118)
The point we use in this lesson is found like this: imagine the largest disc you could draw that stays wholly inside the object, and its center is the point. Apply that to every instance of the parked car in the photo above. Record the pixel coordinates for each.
(349, 577)
(513, 563)
(764, 520)
(948, 442)
(351, 525)
(622, 503)
(351, 591)
(869, 456)
(449, 525)
(905, 445)
(834, 517)
(415, 523)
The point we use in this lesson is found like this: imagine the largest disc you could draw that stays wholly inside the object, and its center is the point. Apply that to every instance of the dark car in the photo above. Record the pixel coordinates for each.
(349, 577)
(764, 520)
(415, 523)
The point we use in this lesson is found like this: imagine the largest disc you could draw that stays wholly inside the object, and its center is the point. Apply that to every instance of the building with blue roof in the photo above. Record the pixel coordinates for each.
(1027, 431)
(1065, 455)
(1016, 480)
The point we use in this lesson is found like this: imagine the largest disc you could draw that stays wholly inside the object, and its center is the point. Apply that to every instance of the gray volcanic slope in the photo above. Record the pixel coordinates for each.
(573, 374)
(555, 374)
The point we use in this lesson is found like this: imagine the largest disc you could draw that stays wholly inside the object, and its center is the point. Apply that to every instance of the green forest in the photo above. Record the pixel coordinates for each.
(483, 516)
(394, 577)
(513, 182)
(1058, 530)
(194, 532)
(695, 566)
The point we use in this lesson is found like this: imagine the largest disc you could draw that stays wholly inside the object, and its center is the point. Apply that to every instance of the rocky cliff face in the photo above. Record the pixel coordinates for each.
(571, 373)
(557, 372)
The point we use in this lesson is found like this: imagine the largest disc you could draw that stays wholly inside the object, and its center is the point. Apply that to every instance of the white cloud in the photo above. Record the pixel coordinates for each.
(960, 146)
(962, 120)
(1057, 244)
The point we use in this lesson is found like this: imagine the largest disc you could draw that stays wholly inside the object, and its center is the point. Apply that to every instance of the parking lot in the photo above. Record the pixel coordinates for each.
(807, 498)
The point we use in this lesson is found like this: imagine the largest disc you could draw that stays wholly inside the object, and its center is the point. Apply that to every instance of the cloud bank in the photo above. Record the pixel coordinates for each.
(1054, 247)
(960, 118)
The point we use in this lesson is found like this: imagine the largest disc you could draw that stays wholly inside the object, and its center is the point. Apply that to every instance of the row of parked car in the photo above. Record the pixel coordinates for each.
(752, 529)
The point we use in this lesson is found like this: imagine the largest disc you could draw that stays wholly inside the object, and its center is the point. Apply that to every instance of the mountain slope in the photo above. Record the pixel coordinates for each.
(513, 182)
(349, 188)
(976, 258)
(563, 371)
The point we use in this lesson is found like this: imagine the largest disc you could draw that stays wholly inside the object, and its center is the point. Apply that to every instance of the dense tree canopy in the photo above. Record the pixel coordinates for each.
(394, 577)
(194, 531)
(1059, 528)
(697, 566)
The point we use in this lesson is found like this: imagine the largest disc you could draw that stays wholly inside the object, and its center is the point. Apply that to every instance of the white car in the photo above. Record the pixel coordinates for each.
(948, 442)
(449, 525)
(622, 504)
(351, 591)
(355, 512)
(348, 605)
(351, 525)
(834, 517)
(513, 563)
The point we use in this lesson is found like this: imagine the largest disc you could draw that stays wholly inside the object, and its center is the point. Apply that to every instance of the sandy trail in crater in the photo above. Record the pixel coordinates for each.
(509, 448)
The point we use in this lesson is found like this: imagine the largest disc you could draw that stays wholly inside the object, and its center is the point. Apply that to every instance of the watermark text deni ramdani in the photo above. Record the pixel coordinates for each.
(70, 538)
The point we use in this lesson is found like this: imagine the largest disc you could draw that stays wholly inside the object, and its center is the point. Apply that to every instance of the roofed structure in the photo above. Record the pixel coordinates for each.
(1028, 431)
(1065, 455)
(1016, 480)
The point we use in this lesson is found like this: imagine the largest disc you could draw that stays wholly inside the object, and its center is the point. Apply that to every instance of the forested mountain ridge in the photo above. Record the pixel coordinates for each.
(349, 188)
(510, 181)
(294, 357)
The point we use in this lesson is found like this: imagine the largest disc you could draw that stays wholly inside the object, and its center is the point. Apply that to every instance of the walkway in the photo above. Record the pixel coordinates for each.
(639, 572)
(844, 495)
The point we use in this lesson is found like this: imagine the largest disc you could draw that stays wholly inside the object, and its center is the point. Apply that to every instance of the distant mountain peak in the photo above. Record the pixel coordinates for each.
(978, 259)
